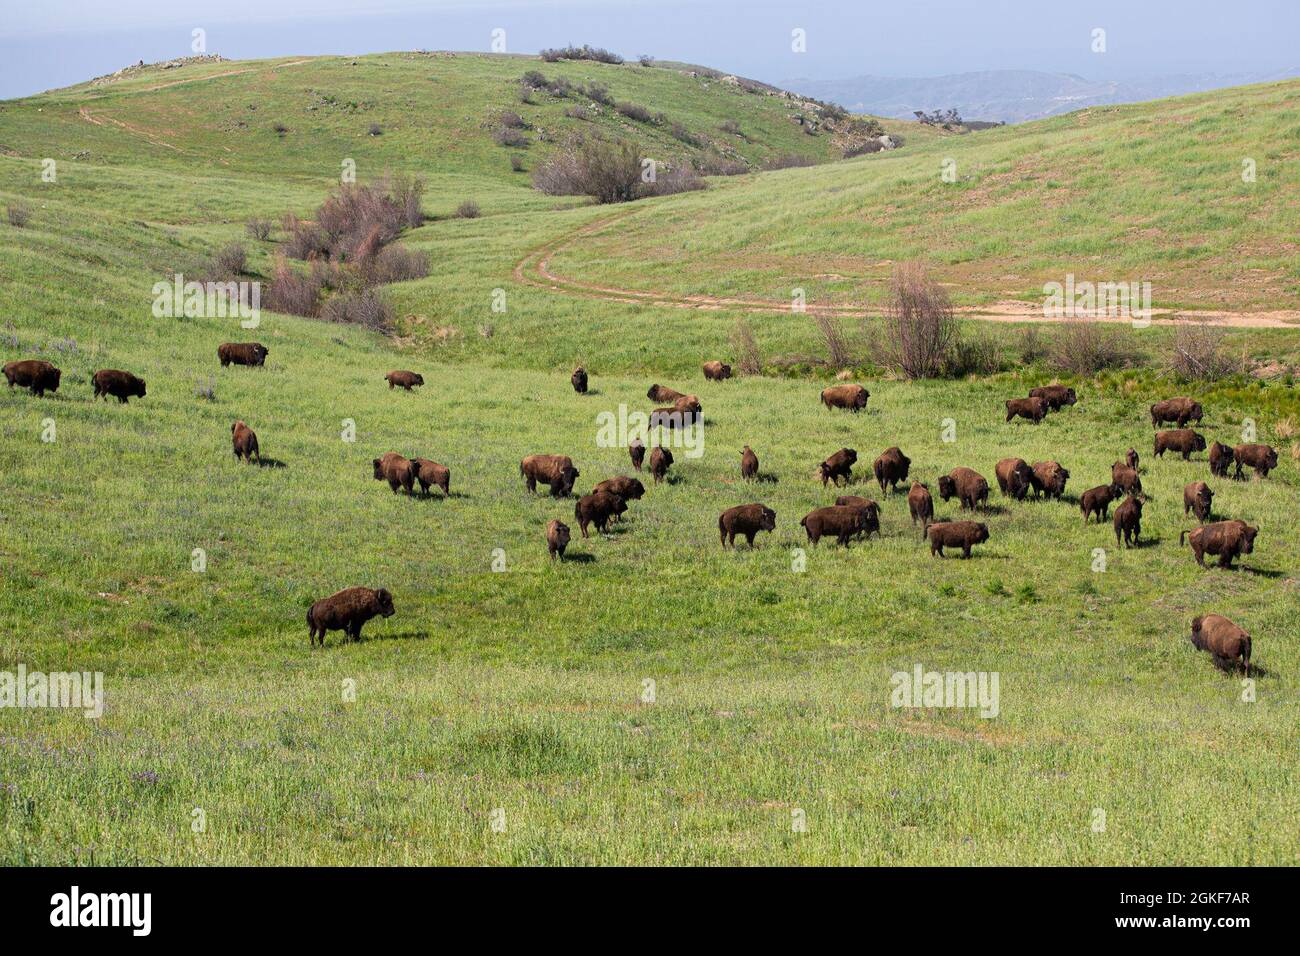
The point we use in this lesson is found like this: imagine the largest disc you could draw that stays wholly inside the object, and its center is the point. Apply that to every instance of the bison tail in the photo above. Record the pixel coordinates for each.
(1245, 654)
(1181, 536)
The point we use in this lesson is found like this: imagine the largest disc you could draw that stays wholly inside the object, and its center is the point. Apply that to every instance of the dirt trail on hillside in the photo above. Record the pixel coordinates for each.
(534, 269)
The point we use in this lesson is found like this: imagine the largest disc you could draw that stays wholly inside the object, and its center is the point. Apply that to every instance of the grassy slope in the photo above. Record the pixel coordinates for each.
(519, 690)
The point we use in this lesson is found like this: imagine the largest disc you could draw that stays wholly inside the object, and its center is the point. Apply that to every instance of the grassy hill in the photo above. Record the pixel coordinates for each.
(523, 689)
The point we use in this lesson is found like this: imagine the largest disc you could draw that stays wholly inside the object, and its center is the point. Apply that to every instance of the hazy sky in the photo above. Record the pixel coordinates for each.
(58, 42)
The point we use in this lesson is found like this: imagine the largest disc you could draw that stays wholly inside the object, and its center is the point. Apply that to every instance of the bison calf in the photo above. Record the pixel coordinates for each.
(1197, 498)
(636, 451)
(403, 379)
(957, 534)
(38, 375)
(921, 505)
(748, 464)
(242, 353)
(430, 473)
(557, 538)
(1097, 501)
(121, 385)
(348, 611)
(747, 520)
(1227, 642)
(661, 459)
(1034, 409)
(244, 440)
(1128, 521)
(837, 466)
(1126, 478)
(579, 380)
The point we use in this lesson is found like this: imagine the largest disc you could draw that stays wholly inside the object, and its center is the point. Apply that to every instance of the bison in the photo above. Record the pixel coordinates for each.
(121, 385)
(244, 440)
(1055, 395)
(429, 473)
(661, 459)
(242, 353)
(717, 371)
(748, 464)
(837, 466)
(1097, 501)
(681, 414)
(598, 509)
(1262, 458)
(921, 505)
(1049, 478)
(891, 468)
(843, 521)
(1182, 440)
(636, 450)
(1128, 521)
(1221, 457)
(662, 393)
(347, 611)
(866, 504)
(579, 380)
(1014, 477)
(1131, 458)
(629, 489)
(966, 485)
(1035, 409)
(399, 472)
(557, 538)
(956, 534)
(38, 375)
(1126, 478)
(1180, 410)
(851, 397)
(747, 520)
(1197, 498)
(399, 378)
(1228, 539)
(555, 471)
(1227, 642)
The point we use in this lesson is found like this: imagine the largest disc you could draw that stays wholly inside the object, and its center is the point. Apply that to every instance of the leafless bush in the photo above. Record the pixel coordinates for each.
(597, 94)
(715, 164)
(19, 214)
(836, 350)
(230, 261)
(919, 325)
(608, 172)
(408, 192)
(749, 358)
(645, 59)
(684, 135)
(393, 263)
(1031, 347)
(634, 111)
(730, 127)
(673, 179)
(517, 164)
(259, 229)
(296, 292)
(516, 139)
(468, 210)
(365, 308)
(788, 161)
(1197, 352)
(509, 119)
(975, 353)
(578, 113)
(583, 52)
(1086, 346)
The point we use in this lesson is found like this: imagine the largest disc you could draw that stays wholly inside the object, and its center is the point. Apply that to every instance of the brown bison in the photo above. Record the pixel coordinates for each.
(843, 521)
(1228, 539)
(429, 473)
(1182, 440)
(966, 485)
(555, 471)
(1180, 410)
(347, 611)
(245, 441)
(956, 534)
(748, 464)
(1049, 479)
(921, 505)
(629, 489)
(242, 353)
(557, 538)
(1128, 521)
(717, 371)
(1131, 458)
(579, 380)
(662, 393)
(851, 397)
(866, 504)
(399, 472)
(684, 412)
(1126, 477)
(1055, 395)
(891, 468)
(598, 509)
(121, 385)
(1227, 642)
(38, 375)
(1097, 501)
(1014, 477)
(1197, 498)
(398, 378)
(1221, 457)
(1262, 458)
(747, 520)
(1035, 409)
(636, 450)
(839, 465)
(661, 459)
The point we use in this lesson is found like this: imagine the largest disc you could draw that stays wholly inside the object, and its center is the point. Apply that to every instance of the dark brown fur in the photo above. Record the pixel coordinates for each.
(636, 451)
(429, 474)
(1197, 498)
(1182, 440)
(555, 471)
(717, 371)
(891, 468)
(956, 534)
(399, 378)
(121, 385)
(662, 393)
(598, 509)
(579, 380)
(1221, 458)
(1056, 395)
(851, 397)
(1180, 410)
(1049, 479)
(1035, 409)
(748, 464)
(629, 489)
(38, 375)
(1126, 478)
(398, 471)
(747, 520)
(1014, 477)
(1131, 458)
(966, 485)
(557, 538)
(1228, 539)
(843, 521)
(921, 505)
(837, 466)
(1097, 501)
(661, 459)
(1225, 641)
(242, 353)
(348, 611)
(1262, 458)
(244, 440)
(1128, 521)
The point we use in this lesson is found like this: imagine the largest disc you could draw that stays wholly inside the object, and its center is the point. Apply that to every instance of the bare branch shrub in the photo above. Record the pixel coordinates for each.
(1085, 347)
(1197, 352)
(836, 350)
(749, 359)
(258, 228)
(919, 326)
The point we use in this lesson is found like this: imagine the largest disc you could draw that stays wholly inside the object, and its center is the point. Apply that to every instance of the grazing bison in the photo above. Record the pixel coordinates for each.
(661, 459)
(242, 353)
(866, 504)
(1180, 410)
(1228, 539)
(1263, 458)
(956, 534)
(747, 520)
(429, 473)
(843, 521)
(579, 380)
(1227, 642)
(851, 397)
(891, 468)
(399, 378)
(636, 450)
(921, 505)
(629, 489)
(348, 611)
(1097, 501)
(245, 441)
(1014, 477)
(399, 472)
(557, 537)
(717, 371)
(1131, 458)
(1126, 477)
(839, 465)
(38, 375)
(1182, 440)
(966, 485)
(121, 385)
(1035, 409)
(681, 414)
(1128, 521)
(1049, 479)
(748, 463)
(662, 393)
(1055, 395)
(1221, 457)
(556, 471)
(598, 509)
(1197, 498)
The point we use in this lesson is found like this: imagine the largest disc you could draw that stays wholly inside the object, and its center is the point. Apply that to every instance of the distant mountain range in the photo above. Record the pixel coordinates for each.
(1010, 96)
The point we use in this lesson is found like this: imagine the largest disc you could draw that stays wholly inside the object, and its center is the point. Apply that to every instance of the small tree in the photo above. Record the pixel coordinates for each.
(919, 326)
(1197, 352)
(749, 359)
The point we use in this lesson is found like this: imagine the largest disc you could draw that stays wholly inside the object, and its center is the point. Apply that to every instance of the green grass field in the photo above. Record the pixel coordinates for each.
(521, 691)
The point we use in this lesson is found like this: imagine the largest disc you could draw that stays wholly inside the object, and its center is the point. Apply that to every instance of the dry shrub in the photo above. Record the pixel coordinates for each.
(788, 161)
(258, 228)
(365, 308)
(1086, 347)
(1197, 352)
(393, 263)
(1031, 348)
(836, 350)
(516, 139)
(974, 354)
(634, 111)
(517, 164)
(19, 214)
(511, 120)
(920, 329)
(303, 240)
(609, 172)
(294, 292)
(578, 113)
(230, 261)
(1286, 428)
(468, 210)
(749, 360)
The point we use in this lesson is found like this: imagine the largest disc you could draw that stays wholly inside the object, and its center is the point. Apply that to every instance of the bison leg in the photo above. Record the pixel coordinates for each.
(965, 550)
(750, 538)
(936, 548)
